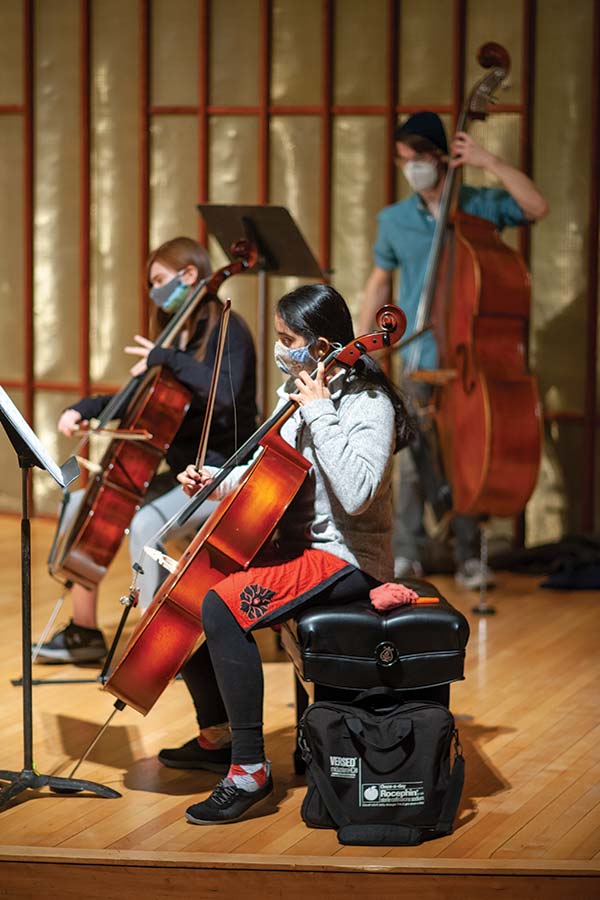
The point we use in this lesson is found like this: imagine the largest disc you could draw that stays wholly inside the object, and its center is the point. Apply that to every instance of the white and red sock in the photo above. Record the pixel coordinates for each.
(250, 777)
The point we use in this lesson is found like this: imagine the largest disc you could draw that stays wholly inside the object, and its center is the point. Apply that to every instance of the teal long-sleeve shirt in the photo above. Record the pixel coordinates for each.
(404, 237)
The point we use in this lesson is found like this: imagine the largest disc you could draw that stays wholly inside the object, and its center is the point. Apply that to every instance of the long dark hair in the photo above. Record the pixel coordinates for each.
(318, 310)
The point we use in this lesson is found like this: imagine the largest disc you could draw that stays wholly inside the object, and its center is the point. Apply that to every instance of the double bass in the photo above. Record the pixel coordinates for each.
(229, 540)
(152, 405)
(476, 299)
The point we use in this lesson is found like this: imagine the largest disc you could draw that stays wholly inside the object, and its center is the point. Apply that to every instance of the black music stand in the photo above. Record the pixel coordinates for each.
(282, 250)
(31, 453)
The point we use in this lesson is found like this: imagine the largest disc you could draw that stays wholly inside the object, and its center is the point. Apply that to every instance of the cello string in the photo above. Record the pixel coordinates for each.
(233, 398)
(164, 529)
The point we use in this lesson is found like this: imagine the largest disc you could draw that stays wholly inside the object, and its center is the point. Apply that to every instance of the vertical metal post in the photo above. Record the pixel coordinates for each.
(26, 617)
(28, 211)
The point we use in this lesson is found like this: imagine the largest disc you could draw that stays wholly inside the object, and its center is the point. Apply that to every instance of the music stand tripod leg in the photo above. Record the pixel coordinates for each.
(28, 777)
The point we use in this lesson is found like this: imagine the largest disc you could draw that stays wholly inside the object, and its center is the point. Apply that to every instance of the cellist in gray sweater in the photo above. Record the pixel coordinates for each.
(333, 543)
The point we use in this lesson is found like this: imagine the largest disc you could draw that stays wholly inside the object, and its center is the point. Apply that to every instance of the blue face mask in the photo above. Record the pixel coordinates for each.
(170, 296)
(293, 360)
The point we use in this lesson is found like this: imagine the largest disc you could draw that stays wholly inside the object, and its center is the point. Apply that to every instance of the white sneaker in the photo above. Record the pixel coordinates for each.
(472, 575)
(407, 568)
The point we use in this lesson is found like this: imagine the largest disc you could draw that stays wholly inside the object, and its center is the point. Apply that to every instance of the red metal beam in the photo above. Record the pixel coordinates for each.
(526, 161)
(28, 211)
(392, 100)
(202, 113)
(263, 190)
(591, 348)
(157, 110)
(528, 93)
(327, 22)
(265, 96)
(275, 110)
(335, 109)
(349, 109)
(72, 387)
(233, 110)
(84, 197)
(144, 162)
(458, 67)
(301, 110)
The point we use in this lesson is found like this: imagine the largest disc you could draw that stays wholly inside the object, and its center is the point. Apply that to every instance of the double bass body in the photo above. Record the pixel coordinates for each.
(488, 413)
(476, 297)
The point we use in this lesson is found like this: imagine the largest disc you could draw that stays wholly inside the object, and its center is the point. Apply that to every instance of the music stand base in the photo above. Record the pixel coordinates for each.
(484, 610)
(18, 682)
(28, 778)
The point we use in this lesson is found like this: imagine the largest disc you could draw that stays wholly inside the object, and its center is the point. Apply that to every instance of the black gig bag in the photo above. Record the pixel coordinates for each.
(378, 769)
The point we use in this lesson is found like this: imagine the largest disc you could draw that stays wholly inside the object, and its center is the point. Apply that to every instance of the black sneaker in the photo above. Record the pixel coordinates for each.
(73, 644)
(192, 756)
(227, 803)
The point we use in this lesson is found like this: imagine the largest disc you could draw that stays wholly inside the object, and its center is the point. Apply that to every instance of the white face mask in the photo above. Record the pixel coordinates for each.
(421, 175)
(293, 360)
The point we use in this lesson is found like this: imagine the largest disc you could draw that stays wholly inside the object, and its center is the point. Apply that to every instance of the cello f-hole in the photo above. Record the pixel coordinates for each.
(468, 382)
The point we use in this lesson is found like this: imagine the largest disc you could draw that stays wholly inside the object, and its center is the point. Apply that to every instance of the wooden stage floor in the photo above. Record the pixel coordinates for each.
(529, 823)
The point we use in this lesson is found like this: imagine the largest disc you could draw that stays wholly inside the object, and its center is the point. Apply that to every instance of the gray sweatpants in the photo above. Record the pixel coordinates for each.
(146, 523)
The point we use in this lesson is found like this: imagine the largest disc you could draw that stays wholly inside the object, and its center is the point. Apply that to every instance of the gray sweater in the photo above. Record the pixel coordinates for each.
(345, 504)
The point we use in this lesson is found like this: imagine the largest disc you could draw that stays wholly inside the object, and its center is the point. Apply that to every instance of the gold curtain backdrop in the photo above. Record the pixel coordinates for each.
(123, 95)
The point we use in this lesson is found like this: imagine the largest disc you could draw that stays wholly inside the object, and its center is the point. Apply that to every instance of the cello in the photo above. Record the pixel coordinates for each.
(476, 298)
(153, 404)
(229, 540)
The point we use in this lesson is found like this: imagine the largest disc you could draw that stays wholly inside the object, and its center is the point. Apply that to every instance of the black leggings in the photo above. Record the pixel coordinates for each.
(224, 676)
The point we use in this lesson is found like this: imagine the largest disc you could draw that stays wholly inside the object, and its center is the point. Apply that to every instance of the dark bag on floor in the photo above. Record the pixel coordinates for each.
(378, 769)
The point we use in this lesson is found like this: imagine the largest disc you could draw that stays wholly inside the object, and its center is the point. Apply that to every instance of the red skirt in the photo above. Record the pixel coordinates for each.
(274, 587)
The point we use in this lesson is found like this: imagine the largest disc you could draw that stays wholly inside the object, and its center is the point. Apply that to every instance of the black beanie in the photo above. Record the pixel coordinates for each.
(426, 125)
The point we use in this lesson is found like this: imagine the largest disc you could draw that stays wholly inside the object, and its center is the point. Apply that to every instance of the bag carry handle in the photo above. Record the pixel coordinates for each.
(402, 728)
(392, 835)
(376, 693)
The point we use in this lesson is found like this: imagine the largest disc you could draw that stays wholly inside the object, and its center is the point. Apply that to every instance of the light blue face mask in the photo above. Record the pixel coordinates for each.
(170, 296)
(293, 360)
